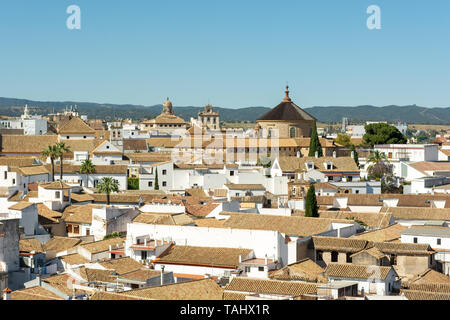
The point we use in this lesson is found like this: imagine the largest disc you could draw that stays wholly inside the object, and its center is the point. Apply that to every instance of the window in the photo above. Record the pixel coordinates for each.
(88, 232)
(439, 241)
(150, 183)
(164, 172)
(393, 259)
(247, 269)
(231, 173)
(260, 269)
(76, 229)
(356, 191)
(69, 228)
(349, 259)
(164, 184)
(319, 255)
(6, 175)
(143, 255)
(84, 137)
(13, 181)
(293, 191)
(57, 194)
(390, 155)
(334, 256)
(415, 240)
(68, 137)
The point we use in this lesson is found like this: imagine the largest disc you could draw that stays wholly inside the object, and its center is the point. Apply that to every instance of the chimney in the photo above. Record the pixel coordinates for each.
(39, 279)
(7, 294)
(265, 260)
(162, 275)
(298, 154)
(334, 154)
(145, 242)
(352, 154)
(316, 154)
(240, 259)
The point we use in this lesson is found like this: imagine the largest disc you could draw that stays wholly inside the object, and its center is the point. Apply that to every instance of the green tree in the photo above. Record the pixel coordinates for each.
(112, 235)
(133, 183)
(311, 207)
(52, 153)
(87, 168)
(382, 133)
(314, 143)
(156, 179)
(376, 157)
(343, 139)
(355, 154)
(264, 162)
(62, 148)
(108, 185)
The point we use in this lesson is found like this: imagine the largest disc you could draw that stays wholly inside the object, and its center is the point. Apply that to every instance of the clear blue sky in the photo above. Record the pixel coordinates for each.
(231, 53)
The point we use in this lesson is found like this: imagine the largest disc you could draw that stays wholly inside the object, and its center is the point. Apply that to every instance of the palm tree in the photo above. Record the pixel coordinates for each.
(87, 167)
(376, 157)
(108, 185)
(62, 148)
(52, 153)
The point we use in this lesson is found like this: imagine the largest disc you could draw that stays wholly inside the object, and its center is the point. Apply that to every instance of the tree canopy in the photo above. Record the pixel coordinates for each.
(108, 185)
(343, 139)
(382, 133)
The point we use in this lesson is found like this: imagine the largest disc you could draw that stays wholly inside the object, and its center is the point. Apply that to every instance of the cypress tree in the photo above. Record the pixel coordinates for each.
(311, 208)
(355, 154)
(314, 143)
(156, 179)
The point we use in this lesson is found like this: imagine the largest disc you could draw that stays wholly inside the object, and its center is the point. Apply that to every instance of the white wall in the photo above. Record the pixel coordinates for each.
(263, 242)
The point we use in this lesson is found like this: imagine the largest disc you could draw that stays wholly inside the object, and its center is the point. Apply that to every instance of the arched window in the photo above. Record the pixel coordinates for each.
(292, 132)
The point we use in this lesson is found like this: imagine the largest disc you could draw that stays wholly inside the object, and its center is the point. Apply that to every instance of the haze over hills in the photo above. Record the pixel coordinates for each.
(329, 114)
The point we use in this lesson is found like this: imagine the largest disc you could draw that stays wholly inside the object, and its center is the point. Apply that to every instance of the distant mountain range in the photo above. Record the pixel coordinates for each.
(330, 114)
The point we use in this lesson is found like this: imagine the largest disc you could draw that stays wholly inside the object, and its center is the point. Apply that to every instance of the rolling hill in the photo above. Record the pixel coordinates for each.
(329, 114)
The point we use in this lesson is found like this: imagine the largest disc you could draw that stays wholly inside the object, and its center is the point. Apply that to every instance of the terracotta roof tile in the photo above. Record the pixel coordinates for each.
(28, 245)
(206, 256)
(76, 126)
(338, 244)
(389, 233)
(34, 293)
(340, 164)
(353, 271)
(60, 244)
(122, 265)
(103, 245)
(21, 205)
(74, 259)
(205, 289)
(252, 285)
(289, 225)
(424, 295)
(304, 270)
